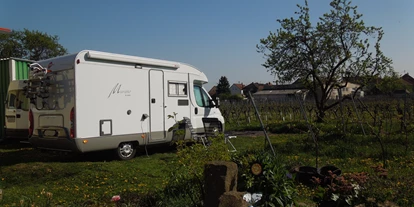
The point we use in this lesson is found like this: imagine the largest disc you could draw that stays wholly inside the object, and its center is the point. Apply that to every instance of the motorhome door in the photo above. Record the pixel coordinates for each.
(201, 104)
(17, 107)
(157, 106)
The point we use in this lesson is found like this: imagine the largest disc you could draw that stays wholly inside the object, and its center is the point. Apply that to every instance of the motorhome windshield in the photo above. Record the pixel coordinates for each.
(17, 100)
(202, 97)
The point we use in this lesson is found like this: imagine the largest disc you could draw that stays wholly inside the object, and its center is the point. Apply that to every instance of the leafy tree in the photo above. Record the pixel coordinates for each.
(223, 87)
(326, 55)
(392, 83)
(32, 45)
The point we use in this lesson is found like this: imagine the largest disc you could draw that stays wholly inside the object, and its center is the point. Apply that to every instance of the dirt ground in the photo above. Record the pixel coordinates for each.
(247, 133)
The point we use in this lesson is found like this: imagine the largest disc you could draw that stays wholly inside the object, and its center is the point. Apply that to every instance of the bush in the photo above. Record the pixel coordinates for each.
(341, 190)
(271, 178)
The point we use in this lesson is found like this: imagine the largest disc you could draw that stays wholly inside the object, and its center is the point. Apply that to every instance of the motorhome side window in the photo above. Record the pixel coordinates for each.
(177, 88)
(17, 100)
(12, 100)
(201, 97)
(22, 102)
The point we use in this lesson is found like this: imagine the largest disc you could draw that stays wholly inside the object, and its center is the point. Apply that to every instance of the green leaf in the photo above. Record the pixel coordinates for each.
(32, 45)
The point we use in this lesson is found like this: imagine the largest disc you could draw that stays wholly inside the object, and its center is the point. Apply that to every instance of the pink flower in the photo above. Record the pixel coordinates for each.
(116, 198)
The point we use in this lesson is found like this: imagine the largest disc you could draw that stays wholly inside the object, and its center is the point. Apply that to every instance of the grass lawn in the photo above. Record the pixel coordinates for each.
(74, 180)
(92, 179)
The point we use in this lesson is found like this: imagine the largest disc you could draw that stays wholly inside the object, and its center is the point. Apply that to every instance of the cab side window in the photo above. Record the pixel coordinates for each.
(201, 97)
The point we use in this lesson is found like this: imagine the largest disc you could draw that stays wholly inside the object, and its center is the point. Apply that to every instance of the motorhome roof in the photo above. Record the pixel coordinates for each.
(62, 62)
(131, 59)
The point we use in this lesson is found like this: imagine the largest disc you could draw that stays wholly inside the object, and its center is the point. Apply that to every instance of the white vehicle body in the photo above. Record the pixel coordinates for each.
(14, 106)
(16, 111)
(95, 100)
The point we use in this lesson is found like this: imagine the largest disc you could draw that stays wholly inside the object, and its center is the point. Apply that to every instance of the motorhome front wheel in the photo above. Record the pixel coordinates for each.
(126, 151)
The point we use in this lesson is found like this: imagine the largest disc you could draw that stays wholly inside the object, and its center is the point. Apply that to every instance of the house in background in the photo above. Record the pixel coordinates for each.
(346, 91)
(237, 89)
(408, 82)
(254, 87)
(279, 95)
(212, 92)
(281, 92)
(407, 78)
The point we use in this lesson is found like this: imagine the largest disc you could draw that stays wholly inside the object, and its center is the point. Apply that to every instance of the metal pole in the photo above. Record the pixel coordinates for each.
(342, 110)
(357, 113)
(302, 107)
(261, 123)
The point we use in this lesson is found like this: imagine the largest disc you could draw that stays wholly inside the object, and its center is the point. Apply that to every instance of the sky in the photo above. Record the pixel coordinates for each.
(218, 37)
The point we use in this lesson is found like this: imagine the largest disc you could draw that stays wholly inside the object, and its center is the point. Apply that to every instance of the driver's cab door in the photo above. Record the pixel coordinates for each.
(202, 106)
(17, 106)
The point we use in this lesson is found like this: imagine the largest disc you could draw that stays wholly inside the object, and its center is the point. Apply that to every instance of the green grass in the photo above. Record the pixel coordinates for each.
(25, 172)
(94, 178)
(353, 154)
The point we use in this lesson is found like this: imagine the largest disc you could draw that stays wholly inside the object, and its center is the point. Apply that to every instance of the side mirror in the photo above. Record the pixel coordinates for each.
(211, 103)
(217, 102)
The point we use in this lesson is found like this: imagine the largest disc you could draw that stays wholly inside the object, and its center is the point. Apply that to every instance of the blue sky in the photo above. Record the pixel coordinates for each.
(218, 37)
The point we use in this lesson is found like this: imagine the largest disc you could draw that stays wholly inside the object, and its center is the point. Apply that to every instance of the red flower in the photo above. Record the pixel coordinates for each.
(116, 198)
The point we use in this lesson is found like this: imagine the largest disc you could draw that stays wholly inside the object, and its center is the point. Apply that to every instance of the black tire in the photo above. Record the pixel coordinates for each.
(126, 151)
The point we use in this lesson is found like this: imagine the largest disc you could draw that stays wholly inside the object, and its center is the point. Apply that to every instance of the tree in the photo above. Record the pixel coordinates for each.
(392, 83)
(223, 87)
(32, 45)
(326, 55)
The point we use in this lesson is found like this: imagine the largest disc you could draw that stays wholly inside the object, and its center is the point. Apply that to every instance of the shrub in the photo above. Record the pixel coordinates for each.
(341, 190)
(271, 178)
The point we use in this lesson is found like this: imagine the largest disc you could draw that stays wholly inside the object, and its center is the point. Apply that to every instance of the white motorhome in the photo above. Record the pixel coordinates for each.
(16, 111)
(94, 100)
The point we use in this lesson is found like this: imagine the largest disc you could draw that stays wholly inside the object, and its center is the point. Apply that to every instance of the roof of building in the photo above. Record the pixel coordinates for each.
(212, 91)
(239, 85)
(284, 87)
(259, 86)
(406, 77)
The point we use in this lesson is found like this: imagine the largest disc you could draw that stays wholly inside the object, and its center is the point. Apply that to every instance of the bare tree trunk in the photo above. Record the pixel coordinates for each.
(320, 115)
